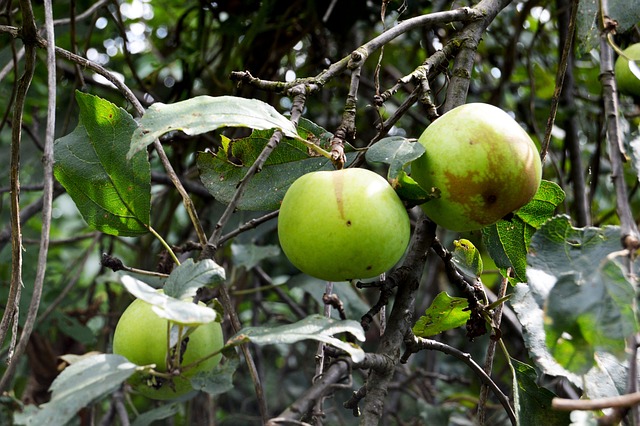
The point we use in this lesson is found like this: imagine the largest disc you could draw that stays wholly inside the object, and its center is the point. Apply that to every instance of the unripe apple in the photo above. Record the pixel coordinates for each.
(343, 224)
(484, 164)
(629, 82)
(141, 337)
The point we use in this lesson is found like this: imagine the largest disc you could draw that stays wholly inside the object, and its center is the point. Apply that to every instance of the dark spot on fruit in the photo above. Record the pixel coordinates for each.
(369, 267)
(348, 223)
(491, 198)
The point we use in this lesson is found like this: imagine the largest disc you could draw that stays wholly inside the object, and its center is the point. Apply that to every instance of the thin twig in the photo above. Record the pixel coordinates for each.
(627, 400)
(214, 239)
(47, 160)
(13, 300)
(491, 350)
(561, 72)
(418, 343)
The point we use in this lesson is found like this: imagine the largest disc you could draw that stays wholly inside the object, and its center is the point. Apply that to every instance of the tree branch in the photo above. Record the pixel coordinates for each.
(417, 343)
(47, 198)
(399, 323)
(628, 228)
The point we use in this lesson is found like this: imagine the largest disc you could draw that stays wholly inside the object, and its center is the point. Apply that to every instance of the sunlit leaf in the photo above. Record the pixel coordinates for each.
(576, 280)
(112, 193)
(206, 113)
(444, 313)
(314, 327)
(170, 308)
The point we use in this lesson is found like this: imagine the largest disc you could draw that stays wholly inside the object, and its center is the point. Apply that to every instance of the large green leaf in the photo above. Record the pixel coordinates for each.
(625, 13)
(576, 279)
(222, 171)
(444, 313)
(507, 240)
(314, 327)
(112, 193)
(79, 385)
(532, 403)
(206, 113)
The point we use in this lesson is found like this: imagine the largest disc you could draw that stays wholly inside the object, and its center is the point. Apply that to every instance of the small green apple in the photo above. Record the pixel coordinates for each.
(484, 164)
(141, 337)
(343, 224)
(627, 80)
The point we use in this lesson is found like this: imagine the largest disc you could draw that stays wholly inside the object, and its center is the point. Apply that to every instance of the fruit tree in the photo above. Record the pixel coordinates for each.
(271, 212)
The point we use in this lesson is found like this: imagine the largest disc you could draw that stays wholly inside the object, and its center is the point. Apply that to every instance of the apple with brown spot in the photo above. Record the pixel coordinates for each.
(482, 161)
(343, 224)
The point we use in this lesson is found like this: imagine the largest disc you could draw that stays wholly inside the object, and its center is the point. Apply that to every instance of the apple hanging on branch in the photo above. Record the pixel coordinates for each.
(343, 224)
(628, 72)
(141, 337)
(483, 163)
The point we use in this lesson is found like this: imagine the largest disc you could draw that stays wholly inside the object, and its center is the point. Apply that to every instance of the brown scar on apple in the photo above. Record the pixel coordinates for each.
(338, 184)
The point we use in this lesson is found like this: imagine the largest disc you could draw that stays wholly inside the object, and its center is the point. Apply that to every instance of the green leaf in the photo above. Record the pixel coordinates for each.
(170, 308)
(205, 113)
(444, 313)
(112, 193)
(467, 258)
(221, 172)
(79, 385)
(575, 277)
(532, 403)
(220, 379)
(190, 276)
(507, 240)
(250, 255)
(626, 14)
(409, 190)
(314, 327)
(72, 327)
(162, 412)
(396, 151)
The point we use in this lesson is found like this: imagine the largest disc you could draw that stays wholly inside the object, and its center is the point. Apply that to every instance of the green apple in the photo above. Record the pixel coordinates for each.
(483, 163)
(141, 337)
(343, 224)
(628, 80)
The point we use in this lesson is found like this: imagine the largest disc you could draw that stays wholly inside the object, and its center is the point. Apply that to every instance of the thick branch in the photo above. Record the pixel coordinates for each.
(463, 64)
(400, 322)
(628, 229)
